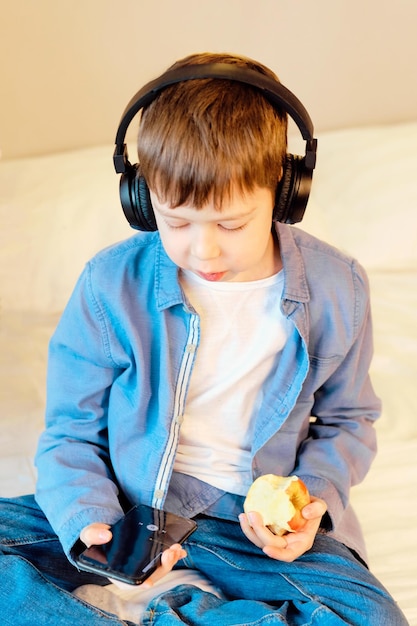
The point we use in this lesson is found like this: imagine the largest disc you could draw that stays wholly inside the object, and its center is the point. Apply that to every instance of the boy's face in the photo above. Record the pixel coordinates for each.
(231, 244)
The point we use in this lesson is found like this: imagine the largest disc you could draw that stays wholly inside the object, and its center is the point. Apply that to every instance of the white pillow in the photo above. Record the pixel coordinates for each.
(364, 194)
(56, 212)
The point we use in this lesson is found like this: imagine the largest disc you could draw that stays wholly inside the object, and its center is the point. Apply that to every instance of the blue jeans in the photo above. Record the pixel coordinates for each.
(326, 586)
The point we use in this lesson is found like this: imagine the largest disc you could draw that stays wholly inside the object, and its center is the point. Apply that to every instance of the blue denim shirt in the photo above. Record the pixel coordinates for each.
(120, 363)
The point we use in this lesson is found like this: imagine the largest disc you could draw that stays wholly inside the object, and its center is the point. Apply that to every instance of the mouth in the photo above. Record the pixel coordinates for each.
(211, 276)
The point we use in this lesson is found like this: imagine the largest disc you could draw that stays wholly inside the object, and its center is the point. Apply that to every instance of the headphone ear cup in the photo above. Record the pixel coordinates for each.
(293, 191)
(136, 200)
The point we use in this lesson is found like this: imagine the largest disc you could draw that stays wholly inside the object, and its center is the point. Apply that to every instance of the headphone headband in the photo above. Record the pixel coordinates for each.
(278, 95)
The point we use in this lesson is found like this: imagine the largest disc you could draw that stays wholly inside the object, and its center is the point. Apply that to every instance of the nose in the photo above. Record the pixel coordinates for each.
(204, 244)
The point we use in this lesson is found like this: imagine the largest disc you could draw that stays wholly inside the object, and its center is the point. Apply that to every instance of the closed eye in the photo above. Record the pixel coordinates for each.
(231, 229)
(176, 226)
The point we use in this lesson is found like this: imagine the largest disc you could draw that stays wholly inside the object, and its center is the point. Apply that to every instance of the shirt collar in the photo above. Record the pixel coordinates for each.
(168, 289)
(295, 284)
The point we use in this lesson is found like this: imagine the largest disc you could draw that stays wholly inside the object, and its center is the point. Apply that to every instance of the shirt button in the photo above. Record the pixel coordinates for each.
(190, 348)
(159, 493)
(180, 419)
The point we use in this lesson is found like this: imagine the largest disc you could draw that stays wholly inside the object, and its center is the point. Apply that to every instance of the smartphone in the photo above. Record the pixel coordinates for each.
(135, 550)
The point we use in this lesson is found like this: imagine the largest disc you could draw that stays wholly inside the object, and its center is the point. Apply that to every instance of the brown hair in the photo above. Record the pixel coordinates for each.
(199, 138)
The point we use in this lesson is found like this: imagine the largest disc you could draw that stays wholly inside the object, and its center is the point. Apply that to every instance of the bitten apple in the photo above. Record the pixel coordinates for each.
(279, 500)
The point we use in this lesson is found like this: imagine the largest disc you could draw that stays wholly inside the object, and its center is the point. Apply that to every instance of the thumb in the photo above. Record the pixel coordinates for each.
(316, 509)
(96, 534)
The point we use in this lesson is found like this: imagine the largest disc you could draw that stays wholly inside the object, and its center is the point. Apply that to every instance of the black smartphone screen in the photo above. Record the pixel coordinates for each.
(135, 550)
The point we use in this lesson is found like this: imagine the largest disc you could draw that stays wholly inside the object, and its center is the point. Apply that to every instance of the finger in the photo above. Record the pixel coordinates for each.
(170, 557)
(248, 531)
(96, 534)
(297, 543)
(287, 554)
(316, 509)
(255, 530)
(263, 533)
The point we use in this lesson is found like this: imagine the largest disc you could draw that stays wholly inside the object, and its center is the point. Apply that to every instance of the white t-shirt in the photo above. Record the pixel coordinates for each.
(242, 334)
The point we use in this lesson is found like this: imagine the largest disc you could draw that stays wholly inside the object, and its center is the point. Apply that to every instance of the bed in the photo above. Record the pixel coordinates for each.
(57, 210)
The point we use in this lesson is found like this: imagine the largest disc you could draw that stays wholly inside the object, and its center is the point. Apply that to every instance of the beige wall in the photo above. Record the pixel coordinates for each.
(68, 67)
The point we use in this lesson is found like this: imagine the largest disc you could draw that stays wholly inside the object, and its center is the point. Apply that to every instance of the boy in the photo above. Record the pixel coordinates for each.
(192, 359)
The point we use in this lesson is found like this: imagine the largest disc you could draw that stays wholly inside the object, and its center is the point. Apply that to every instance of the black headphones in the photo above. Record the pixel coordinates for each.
(294, 187)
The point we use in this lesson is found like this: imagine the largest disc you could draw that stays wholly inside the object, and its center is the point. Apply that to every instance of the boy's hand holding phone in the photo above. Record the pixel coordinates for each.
(144, 545)
(98, 534)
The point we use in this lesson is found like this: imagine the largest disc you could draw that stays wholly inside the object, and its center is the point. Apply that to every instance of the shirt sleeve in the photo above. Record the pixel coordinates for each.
(76, 485)
(341, 442)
